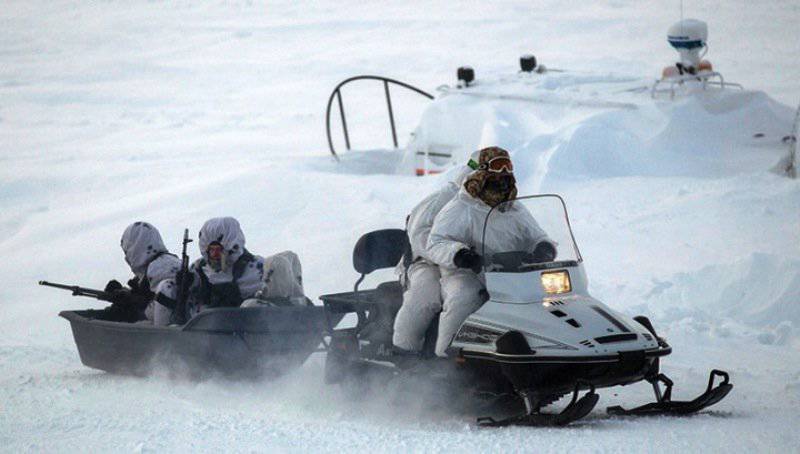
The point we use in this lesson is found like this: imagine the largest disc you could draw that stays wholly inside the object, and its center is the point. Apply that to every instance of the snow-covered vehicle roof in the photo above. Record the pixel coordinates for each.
(579, 125)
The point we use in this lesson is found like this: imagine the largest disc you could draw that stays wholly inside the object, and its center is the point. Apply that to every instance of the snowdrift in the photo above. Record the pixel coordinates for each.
(761, 291)
(568, 127)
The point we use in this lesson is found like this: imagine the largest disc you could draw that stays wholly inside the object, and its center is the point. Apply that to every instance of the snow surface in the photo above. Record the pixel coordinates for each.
(177, 112)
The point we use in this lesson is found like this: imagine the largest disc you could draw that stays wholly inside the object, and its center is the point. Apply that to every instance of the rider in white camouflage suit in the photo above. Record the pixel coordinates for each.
(422, 299)
(154, 270)
(456, 244)
(228, 275)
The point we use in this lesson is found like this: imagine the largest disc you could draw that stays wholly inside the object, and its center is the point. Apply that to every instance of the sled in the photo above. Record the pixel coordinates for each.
(232, 342)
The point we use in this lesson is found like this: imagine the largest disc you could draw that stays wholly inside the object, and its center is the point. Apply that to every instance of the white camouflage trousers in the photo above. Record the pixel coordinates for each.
(457, 293)
(463, 292)
(422, 301)
(160, 314)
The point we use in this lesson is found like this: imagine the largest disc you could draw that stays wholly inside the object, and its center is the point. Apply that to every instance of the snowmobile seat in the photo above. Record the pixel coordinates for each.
(379, 249)
(388, 294)
(375, 250)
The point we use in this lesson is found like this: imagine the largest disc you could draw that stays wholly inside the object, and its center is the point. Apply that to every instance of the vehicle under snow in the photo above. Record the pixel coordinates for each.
(580, 125)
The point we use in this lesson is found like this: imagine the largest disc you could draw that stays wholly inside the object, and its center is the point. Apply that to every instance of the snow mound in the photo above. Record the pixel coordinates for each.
(705, 135)
(567, 127)
(761, 291)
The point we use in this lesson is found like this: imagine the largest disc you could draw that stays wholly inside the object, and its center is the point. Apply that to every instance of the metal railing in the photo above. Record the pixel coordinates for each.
(706, 79)
(337, 94)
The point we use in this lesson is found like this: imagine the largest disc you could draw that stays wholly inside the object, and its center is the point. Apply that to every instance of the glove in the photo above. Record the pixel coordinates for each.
(126, 306)
(112, 285)
(120, 296)
(467, 258)
(134, 285)
(544, 252)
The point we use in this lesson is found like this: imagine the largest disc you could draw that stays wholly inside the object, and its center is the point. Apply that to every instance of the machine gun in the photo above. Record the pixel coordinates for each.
(81, 291)
(126, 306)
(179, 314)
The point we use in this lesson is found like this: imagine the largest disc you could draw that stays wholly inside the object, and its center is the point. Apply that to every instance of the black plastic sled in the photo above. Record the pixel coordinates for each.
(233, 342)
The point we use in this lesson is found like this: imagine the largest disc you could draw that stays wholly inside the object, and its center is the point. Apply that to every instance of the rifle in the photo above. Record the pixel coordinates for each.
(179, 314)
(80, 291)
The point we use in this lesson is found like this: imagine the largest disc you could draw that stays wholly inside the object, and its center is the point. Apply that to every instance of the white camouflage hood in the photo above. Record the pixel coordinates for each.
(461, 175)
(141, 243)
(225, 231)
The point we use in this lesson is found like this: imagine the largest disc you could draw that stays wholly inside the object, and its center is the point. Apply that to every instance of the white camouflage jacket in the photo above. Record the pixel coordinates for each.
(228, 233)
(460, 226)
(421, 218)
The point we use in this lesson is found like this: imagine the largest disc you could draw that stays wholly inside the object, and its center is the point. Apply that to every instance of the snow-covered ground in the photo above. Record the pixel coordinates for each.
(174, 112)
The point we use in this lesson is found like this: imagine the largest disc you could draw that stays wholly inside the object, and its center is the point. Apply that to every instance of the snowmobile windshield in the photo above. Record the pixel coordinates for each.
(528, 233)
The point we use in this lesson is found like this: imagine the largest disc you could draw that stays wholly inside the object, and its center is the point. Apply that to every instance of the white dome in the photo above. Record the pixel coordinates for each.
(688, 34)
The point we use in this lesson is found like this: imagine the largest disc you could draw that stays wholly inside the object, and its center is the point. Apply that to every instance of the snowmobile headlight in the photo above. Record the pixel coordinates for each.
(556, 282)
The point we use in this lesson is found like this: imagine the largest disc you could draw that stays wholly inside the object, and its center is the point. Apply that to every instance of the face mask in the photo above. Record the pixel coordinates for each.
(502, 185)
(496, 190)
(216, 257)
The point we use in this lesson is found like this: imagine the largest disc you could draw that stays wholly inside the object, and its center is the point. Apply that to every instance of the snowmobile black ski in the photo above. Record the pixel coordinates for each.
(577, 409)
(666, 406)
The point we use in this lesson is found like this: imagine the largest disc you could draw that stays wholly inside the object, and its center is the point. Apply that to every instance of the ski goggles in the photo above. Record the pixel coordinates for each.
(498, 165)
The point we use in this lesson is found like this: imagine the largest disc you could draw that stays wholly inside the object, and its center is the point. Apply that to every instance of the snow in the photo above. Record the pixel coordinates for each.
(177, 112)
(572, 127)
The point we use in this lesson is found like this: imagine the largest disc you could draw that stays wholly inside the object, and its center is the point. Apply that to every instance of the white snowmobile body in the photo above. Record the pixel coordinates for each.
(569, 326)
(568, 335)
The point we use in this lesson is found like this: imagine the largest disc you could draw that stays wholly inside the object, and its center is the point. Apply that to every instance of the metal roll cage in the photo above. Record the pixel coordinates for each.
(337, 93)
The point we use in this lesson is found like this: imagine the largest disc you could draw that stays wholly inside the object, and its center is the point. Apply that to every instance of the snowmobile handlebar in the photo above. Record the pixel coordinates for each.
(80, 291)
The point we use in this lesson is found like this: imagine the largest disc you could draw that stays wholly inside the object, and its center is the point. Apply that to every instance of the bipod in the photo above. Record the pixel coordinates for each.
(664, 405)
(575, 410)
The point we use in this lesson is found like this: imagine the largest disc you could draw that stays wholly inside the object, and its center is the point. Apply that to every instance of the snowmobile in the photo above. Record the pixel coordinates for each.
(236, 342)
(539, 336)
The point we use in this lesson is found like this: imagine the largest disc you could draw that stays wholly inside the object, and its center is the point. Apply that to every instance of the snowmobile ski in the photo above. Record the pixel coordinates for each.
(664, 404)
(577, 409)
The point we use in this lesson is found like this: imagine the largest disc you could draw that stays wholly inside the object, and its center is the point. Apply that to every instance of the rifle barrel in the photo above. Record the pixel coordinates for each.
(76, 290)
(61, 286)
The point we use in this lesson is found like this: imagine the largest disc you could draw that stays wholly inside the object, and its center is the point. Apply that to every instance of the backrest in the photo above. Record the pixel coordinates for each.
(379, 249)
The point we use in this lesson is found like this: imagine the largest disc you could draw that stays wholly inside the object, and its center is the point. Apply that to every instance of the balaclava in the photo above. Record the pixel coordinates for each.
(491, 187)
